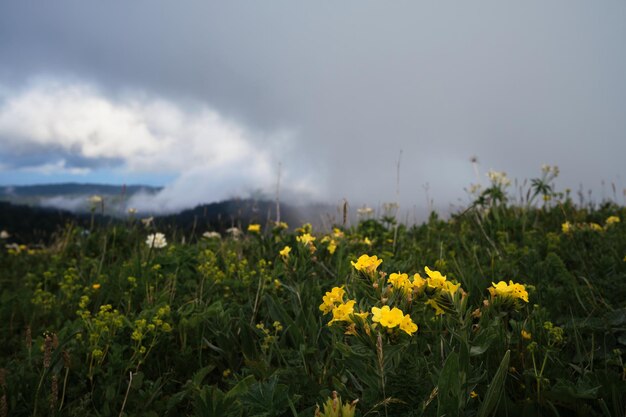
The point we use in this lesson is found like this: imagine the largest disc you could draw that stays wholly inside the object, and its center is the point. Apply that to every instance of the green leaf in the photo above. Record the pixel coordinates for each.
(449, 387)
(494, 392)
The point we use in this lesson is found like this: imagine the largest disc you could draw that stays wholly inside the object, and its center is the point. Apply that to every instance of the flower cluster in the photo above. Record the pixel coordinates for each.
(306, 239)
(342, 311)
(211, 235)
(156, 240)
(401, 282)
(331, 298)
(437, 281)
(367, 264)
(285, 252)
(498, 179)
(510, 290)
(568, 228)
(392, 317)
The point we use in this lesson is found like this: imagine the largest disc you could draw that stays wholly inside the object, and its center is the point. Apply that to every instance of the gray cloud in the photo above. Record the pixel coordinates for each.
(518, 85)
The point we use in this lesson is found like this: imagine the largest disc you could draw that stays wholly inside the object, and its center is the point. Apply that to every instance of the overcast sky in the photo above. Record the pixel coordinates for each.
(207, 98)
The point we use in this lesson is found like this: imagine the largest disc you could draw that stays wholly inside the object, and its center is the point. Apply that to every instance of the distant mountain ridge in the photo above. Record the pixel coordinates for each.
(73, 188)
(35, 224)
(73, 196)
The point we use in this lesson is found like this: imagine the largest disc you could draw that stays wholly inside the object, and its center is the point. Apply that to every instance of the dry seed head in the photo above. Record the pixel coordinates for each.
(66, 359)
(54, 393)
(47, 351)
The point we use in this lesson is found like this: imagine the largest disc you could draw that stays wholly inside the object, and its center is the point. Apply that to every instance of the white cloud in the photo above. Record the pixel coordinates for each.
(57, 167)
(212, 156)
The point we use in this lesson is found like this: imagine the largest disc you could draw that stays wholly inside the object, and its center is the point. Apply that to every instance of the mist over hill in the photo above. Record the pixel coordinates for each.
(43, 224)
(74, 197)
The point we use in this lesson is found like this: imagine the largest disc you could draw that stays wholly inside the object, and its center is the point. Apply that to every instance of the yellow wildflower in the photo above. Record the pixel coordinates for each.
(254, 228)
(473, 394)
(389, 318)
(567, 227)
(281, 225)
(450, 287)
(612, 220)
(418, 281)
(407, 325)
(367, 264)
(96, 286)
(438, 310)
(337, 233)
(595, 227)
(332, 246)
(511, 289)
(306, 239)
(333, 296)
(401, 282)
(285, 252)
(435, 279)
(367, 241)
(305, 228)
(526, 335)
(342, 312)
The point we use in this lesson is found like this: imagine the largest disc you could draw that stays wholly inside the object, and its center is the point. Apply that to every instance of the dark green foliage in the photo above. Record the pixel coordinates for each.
(229, 328)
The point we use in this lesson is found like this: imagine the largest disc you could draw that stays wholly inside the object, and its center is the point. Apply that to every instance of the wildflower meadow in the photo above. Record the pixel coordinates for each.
(513, 306)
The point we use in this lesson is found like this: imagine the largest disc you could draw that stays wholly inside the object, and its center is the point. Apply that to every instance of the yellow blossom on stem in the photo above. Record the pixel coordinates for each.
(407, 325)
(281, 225)
(596, 227)
(511, 289)
(285, 252)
(435, 279)
(343, 311)
(367, 264)
(389, 318)
(401, 282)
(254, 228)
(567, 227)
(332, 246)
(438, 310)
(331, 298)
(418, 281)
(612, 220)
(450, 287)
(526, 335)
(306, 239)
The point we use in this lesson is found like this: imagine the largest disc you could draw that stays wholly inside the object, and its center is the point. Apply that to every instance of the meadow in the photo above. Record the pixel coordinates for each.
(511, 307)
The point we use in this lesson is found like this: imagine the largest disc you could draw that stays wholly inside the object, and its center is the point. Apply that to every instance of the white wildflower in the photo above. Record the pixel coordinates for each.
(498, 179)
(147, 221)
(234, 232)
(211, 235)
(95, 199)
(156, 240)
(365, 211)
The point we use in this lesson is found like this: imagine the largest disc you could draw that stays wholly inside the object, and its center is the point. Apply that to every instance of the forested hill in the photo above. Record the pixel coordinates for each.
(28, 224)
(72, 188)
